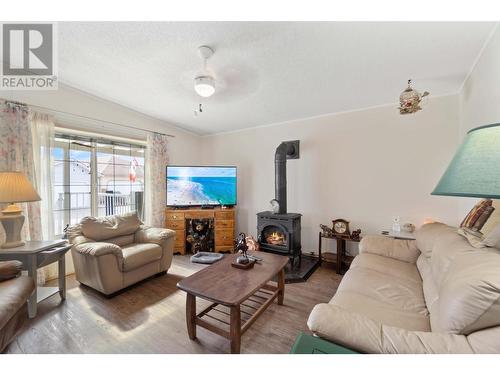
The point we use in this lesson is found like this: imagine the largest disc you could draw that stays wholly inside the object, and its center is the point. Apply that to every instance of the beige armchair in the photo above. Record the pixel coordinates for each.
(113, 252)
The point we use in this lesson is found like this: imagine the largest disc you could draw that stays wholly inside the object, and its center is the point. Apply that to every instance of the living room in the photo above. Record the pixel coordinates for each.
(250, 186)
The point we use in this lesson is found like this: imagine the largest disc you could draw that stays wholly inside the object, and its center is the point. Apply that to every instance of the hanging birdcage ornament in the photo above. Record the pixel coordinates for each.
(409, 100)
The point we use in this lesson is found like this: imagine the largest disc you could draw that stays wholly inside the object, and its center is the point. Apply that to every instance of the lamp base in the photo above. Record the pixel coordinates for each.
(12, 209)
(12, 224)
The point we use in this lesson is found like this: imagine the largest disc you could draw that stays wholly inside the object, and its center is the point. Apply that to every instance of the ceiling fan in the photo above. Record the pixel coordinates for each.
(204, 83)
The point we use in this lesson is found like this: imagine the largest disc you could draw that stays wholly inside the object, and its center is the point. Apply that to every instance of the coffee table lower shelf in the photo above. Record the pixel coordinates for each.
(238, 318)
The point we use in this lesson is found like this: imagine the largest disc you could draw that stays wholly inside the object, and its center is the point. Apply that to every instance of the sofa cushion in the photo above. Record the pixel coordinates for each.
(365, 335)
(139, 254)
(122, 240)
(10, 269)
(448, 244)
(389, 266)
(379, 311)
(398, 293)
(462, 289)
(104, 228)
(399, 249)
(469, 296)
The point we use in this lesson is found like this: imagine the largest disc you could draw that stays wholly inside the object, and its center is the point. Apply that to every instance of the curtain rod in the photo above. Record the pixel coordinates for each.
(85, 117)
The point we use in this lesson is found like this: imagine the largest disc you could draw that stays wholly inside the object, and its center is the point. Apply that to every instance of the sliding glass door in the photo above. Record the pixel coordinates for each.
(95, 177)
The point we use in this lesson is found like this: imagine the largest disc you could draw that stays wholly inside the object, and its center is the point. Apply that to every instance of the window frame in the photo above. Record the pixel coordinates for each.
(94, 140)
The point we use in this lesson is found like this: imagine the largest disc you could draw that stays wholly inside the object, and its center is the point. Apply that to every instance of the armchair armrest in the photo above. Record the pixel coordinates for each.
(404, 250)
(153, 235)
(10, 269)
(363, 334)
(98, 249)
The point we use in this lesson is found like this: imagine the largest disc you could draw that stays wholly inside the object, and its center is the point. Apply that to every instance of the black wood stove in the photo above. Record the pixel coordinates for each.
(279, 232)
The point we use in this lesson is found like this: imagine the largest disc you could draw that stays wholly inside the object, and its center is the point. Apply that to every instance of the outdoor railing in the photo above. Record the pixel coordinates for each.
(108, 203)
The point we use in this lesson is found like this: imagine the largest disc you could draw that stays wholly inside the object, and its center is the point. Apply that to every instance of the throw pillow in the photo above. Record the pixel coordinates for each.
(482, 219)
(494, 219)
(481, 226)
(479, 214)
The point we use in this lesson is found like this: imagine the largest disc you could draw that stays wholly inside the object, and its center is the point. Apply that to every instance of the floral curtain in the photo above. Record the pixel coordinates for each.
(155, 195)
(16, 154)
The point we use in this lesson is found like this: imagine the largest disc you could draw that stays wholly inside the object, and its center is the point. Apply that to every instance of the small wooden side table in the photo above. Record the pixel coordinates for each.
(341, 259)
(37, 254)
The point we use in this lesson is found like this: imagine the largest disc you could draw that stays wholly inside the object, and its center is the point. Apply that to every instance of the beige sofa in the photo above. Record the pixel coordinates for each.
(14, 293)
(113, 252)
(437, 294)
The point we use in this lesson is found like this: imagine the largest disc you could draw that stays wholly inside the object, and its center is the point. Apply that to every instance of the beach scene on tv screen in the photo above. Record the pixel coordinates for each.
(188, 186)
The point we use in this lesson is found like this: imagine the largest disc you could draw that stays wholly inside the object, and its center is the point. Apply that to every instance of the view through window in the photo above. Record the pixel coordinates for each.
(95, 177)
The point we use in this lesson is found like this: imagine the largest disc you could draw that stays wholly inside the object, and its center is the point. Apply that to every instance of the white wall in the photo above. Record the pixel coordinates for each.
(184, 148)
(365, 166)
(480, 97)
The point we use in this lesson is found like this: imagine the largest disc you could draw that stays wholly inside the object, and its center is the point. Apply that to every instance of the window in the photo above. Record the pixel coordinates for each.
(95, 177)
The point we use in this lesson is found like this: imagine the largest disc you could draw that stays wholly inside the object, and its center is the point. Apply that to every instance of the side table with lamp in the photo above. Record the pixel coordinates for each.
(14, 188)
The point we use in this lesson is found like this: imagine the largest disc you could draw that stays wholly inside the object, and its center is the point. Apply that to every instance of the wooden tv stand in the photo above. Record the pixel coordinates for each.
(224, 219)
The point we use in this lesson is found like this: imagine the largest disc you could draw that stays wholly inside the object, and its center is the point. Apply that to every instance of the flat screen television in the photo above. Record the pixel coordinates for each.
(201, 186)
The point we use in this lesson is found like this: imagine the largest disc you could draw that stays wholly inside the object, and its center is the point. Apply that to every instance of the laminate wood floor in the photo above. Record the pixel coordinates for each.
(150, 318)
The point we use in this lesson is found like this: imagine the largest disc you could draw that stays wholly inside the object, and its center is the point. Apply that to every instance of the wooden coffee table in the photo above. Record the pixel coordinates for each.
(233, 288)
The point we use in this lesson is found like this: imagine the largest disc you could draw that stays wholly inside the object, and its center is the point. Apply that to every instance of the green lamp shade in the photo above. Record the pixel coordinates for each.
(475, 168)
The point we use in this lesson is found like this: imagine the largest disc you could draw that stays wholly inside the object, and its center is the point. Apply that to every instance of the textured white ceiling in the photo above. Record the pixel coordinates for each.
(266, 72)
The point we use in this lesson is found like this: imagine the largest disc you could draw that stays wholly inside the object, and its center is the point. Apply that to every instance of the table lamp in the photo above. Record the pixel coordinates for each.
(14, 187)
(475, 168)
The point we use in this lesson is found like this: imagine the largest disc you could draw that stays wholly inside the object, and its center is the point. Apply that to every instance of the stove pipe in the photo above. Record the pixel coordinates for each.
(286, 150)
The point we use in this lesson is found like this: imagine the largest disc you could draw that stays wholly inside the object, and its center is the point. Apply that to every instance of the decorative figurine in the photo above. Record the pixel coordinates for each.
(327, 232)
(356, 235)
(241, 246)
(199, 235)
(65, 231)
(275, 206)
(409, 227)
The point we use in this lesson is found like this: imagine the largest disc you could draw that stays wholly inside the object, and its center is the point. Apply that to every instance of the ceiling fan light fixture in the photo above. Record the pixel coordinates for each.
(204, 86)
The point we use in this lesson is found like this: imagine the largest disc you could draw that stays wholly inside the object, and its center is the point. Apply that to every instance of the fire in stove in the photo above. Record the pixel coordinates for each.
(276, 238)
